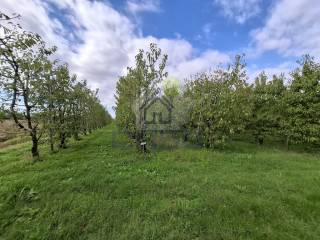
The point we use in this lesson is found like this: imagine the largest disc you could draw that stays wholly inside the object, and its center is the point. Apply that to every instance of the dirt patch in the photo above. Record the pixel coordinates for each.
(9, 130)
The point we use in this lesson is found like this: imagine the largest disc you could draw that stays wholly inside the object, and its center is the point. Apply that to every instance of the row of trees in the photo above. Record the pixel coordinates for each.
(287, 108)
(213, 107)
(40, 94)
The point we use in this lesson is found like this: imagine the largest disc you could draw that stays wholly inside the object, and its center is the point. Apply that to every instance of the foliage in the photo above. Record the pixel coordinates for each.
(20, 67)
(42, 91)
(221, 104)
(301, 104)
(213, 107)
(138, 88)
(171, 87)
(266, 106)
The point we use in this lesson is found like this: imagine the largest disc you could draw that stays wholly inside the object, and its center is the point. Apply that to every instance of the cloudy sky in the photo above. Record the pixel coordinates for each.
(99, 39)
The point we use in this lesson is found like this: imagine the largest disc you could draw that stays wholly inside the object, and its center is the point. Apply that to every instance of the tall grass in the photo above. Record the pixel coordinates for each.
(99, 190)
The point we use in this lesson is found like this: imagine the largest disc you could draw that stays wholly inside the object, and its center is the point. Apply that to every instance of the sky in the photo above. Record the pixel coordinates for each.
(99, 38)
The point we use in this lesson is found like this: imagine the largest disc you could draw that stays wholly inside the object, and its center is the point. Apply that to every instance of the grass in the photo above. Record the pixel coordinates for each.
(8, 130)
(97, 190)
(10, 135)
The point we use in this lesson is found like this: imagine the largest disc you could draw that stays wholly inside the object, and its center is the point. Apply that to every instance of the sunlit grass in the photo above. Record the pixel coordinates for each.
(98, 190)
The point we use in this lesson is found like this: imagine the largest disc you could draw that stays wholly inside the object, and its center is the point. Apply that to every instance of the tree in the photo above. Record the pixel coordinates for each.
(69, 107)
(266, 106)
(20, 60)
(47, 89)
(125, 98)
(221, 104)
(301, 105)
(41, 95)
(171, 87)
(139, 87)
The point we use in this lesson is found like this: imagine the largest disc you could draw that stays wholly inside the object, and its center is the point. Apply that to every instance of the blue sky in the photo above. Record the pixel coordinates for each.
(99, 39)
(205, 25)
(193, 19)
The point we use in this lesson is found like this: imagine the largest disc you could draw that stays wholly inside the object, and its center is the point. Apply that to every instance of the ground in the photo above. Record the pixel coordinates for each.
(10, 134)
(98, 190)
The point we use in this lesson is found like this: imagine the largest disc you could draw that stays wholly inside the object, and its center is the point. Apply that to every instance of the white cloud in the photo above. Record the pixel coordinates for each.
(239, 10)
(205, 61)
(178, 49)
(104, 38)
(284, 68)
(292, 29)
(184, 60)
(137, 6)
(207, 35)
(107, 41)
(35, 17)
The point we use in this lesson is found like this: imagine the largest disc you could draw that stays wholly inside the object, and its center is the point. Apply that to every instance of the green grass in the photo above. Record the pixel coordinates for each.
(95, 190)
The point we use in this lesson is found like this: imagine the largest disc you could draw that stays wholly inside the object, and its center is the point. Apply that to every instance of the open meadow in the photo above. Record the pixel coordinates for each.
(95, 189)
(154, 119)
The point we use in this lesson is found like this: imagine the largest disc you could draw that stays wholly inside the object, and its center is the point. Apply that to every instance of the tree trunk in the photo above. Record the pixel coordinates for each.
(63, 140)
(207, 143)
(140, 141)
(185, 134)
(51, 146)
(287, 142)
(34, 149)
(51, 140)
(260, 139)
(76, 135)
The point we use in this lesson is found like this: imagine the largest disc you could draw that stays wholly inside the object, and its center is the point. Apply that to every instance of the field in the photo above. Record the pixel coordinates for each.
(97, 190)
(10, 134)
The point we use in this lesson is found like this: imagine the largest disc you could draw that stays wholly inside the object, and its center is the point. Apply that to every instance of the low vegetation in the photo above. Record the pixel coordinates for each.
(97, 189)
(9, 131)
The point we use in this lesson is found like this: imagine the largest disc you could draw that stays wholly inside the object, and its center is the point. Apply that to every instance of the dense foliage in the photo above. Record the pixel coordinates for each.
(214, 106)
(301, 104)
(41, 95)
(137, 89)
(221, 104)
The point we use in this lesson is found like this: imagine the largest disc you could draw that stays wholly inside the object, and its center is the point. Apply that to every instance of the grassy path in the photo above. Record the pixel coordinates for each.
(94, 190)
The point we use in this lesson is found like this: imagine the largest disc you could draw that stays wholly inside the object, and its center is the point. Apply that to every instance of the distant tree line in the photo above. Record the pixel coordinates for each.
(40, 94)
(213, 107)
